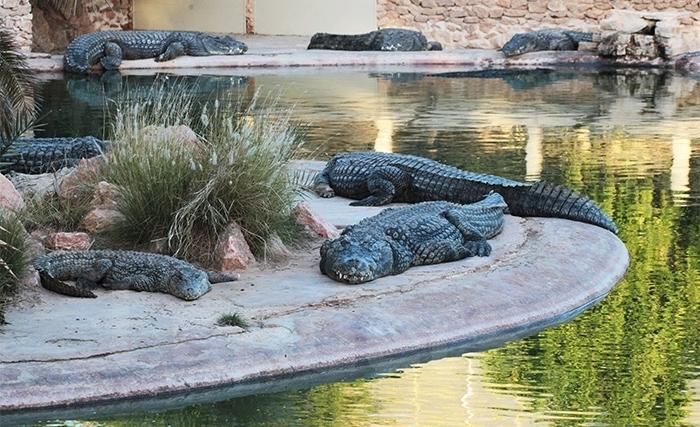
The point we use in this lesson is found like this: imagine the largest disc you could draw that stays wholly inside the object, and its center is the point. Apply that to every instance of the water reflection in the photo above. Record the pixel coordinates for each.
(631, 141)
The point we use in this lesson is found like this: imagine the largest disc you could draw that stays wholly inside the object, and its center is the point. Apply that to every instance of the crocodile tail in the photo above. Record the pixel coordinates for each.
(549, 200)
(53, 284)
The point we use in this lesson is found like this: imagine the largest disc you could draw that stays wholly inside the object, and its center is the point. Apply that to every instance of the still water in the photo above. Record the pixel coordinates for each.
(629, 140)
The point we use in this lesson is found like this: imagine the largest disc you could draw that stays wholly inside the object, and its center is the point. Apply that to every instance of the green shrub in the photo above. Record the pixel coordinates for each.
(188, 194)
(55, 213)
(232, 319)
(13, 256)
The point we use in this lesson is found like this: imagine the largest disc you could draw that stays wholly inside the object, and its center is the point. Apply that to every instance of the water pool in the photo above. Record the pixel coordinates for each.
(630, 140)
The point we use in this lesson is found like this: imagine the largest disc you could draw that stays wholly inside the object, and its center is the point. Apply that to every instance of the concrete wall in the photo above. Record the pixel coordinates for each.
(224, 16)
(305, 17)
(16, 15)
(490, 23)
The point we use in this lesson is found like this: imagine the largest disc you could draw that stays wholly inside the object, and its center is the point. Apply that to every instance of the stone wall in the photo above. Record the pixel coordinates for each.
(16, 15)
(53, 29)
(490, 23)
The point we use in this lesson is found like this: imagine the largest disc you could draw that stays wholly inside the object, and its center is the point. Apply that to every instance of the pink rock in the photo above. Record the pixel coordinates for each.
(9, 196)
(100, 218)
(105, 194)
(69, 241)
(75, 183)
(313, 222)
(232, 251)
(31, 278)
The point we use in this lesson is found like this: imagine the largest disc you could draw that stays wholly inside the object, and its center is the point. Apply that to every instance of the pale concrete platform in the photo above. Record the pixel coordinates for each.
(60, 351)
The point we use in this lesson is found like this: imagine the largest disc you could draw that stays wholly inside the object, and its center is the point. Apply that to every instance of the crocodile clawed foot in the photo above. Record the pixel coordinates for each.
(325, 191)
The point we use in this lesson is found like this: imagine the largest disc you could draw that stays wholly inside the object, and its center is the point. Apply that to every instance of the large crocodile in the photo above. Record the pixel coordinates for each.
(380, 178)
(386, 39)
(110, 47)
(421, 234)
(138, 271)
(41, 155)
(546, 39)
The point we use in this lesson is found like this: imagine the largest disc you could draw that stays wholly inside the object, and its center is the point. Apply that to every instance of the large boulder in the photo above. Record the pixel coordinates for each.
(232, 251)
(78, 182)
(69, 241)
(627, 21)
(10, 198)
(313, 223)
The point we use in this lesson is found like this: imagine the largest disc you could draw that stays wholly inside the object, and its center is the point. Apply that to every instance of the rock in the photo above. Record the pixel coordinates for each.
(314, 223)
(105, 195)
(181, 134)
(79, 181)
(31, 278)
(276, 250)
(69, 241)
(614, 44)
(588, 46)
(100, 218)
(643, 46)
(9, 196)
(232, 251)
(40, 185)
(626, 21)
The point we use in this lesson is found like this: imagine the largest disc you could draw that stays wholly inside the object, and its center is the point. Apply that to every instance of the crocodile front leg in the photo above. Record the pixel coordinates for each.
(172, 51)
(112, 56)
(474, 243)
(384, 184)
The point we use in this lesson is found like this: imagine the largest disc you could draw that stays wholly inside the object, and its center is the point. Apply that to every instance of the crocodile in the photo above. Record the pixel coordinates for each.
(546, 39)
(421, 234)
(380, 178)
(110, 47)
(386, 39)
(119, 270)
(41, 155)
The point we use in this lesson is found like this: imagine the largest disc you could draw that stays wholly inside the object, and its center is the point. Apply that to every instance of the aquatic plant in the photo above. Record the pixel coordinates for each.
(187, 192)
(232, 319)
(13, 256)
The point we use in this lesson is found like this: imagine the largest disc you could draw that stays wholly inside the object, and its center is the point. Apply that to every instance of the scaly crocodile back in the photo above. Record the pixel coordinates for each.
(40, 155)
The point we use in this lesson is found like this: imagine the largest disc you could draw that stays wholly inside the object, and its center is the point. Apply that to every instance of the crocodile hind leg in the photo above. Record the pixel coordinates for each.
(172, 50)
(112, 56)
(474, 242)
(384, 184)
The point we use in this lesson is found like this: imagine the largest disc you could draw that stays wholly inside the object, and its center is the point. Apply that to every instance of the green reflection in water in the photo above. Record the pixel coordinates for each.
(632, 360)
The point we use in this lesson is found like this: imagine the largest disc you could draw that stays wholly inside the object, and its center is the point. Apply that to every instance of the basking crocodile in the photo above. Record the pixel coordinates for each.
(547, 39)
(421, 234)
(387, 39)
(110, 47)
(138, 271)
(380, 178)
(41, 155)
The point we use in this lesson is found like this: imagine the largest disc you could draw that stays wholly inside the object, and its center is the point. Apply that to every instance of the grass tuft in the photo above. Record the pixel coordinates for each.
(232, 319)
(14, 257)
(189, 193)
(54, 213)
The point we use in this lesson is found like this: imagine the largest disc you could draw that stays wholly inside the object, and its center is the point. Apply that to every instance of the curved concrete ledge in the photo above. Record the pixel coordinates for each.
(61, 351)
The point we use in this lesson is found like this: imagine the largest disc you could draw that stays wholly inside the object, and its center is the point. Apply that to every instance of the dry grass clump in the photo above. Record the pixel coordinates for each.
(13, 256)
(188, 193)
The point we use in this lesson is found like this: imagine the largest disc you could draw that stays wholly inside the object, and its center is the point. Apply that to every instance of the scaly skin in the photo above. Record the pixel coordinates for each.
(110, 47)
(380, 178)
(421, 234)
(387, 39)
(138, 271)
(546, 39)
(41, 155)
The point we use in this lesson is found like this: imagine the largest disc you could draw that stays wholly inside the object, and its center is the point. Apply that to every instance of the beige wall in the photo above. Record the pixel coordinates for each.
(225, 16)
(305, 17)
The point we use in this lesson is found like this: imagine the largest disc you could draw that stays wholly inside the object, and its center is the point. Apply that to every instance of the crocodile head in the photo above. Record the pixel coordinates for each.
(356, 259)
(519, 44)
(222, 45)
(188, 283)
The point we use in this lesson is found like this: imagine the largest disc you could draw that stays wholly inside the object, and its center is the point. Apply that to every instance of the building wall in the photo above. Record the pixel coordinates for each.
(223, 16)
(306, 17)
(16, 15)
(490, 23)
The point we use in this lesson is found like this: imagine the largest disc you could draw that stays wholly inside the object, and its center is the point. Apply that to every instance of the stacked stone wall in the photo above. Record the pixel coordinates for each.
(16, 15)
(489, 24)
(53, 30)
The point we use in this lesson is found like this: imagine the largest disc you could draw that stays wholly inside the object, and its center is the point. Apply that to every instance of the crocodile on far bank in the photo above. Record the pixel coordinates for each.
(386, 39)
(109, 48)
(546, 39)
(120, 270)
(421, 234)
(380, 178)
(41, 155)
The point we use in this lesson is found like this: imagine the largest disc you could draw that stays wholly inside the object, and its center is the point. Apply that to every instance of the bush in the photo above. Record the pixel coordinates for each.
(13, 256)
(232, 319)
(188, 194)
